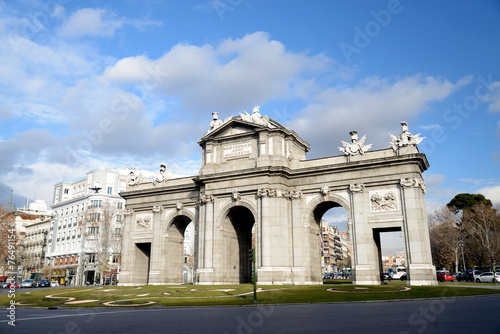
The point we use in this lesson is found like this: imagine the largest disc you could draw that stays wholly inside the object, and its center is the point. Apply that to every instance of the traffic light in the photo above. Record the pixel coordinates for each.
(250, 255)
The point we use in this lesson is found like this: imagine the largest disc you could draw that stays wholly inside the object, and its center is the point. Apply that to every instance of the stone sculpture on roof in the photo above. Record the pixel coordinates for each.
(355, 147)
(257, 118)
(162, 175)
(405, 138)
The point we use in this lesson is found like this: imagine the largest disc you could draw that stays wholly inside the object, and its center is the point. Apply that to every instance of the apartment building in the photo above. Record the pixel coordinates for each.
(78, 208)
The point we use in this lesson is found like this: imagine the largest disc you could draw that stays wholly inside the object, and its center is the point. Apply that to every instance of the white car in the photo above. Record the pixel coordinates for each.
(487, 277)
(54, 283)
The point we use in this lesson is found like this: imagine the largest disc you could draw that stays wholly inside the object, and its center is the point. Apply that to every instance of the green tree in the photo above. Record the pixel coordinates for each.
(467, 201)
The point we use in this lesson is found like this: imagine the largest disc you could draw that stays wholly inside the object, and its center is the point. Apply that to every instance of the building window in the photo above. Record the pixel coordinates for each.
(110, 190)
(95, 204)
(92, 258)
(118, 231)
(66, 191)
(120, 205)
(116, 259)
(118, 218)
(93, 230)
(95, 217)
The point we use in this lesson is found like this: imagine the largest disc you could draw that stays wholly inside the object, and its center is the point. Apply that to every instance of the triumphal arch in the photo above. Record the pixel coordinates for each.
(255, 181)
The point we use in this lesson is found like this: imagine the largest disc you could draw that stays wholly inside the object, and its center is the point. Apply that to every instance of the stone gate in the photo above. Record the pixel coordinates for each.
(255, 177)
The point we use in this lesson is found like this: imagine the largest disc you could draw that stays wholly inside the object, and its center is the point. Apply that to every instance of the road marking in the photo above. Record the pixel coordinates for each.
(77, 315)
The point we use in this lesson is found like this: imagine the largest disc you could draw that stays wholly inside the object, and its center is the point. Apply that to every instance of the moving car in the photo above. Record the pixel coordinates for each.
(487, 277)
(29, 283)
(386, 276)
(444, 275)
(44, 283)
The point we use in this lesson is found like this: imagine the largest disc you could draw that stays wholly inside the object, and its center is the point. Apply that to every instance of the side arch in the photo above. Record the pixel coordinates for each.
(226, 208)
(321, 204)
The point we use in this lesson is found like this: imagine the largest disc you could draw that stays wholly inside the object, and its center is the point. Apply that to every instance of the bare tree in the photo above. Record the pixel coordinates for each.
(99, 230)
(482, 223)
(445, 232)
(6, 229)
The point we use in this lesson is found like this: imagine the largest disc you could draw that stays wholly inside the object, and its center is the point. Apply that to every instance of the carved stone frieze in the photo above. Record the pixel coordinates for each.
(325, 190)
(128, 212)
(384, 200)
(294, 194)
(157, 208)
(357, 187)
(207, 198)
(413, 182)
(263, 192)
(236, 196)
(143, 223)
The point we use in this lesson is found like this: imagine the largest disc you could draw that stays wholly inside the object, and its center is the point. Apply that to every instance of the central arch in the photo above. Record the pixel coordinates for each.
(236, 236)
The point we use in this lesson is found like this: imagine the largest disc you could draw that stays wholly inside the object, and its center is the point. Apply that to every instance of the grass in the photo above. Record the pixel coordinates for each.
(206, 295)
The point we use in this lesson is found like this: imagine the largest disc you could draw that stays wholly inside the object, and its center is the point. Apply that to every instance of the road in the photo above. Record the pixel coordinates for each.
(447, 315)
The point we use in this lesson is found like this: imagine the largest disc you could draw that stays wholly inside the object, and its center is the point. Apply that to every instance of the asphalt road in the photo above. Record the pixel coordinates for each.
(447, 315)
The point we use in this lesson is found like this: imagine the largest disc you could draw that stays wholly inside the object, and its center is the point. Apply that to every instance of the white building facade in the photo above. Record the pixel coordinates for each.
(71, 257)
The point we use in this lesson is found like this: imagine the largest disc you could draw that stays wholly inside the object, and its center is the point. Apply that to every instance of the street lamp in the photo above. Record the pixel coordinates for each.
(461, 243)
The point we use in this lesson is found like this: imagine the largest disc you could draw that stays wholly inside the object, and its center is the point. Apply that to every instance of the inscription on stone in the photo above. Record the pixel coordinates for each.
(237, 150)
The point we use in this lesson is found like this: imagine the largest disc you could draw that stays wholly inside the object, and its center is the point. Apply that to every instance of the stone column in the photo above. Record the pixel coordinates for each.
(205, 272)
(156, 258)
(420, 270)
(364, 248)
(126, 272)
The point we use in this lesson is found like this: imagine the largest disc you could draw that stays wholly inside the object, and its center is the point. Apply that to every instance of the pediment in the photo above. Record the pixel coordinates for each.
(236, 128)
(232, 127)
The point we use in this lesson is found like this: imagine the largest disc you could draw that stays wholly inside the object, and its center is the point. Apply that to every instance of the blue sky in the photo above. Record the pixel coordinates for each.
(104, 84)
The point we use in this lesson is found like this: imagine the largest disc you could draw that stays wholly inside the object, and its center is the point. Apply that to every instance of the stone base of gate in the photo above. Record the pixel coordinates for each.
(285, 275)
(364, 275)
(205, 276)
(422, 274)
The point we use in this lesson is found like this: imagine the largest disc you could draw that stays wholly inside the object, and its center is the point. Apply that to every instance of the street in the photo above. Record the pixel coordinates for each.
(460, 315)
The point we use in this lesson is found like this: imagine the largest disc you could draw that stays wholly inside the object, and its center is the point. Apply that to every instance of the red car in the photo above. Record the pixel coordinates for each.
(444, 275)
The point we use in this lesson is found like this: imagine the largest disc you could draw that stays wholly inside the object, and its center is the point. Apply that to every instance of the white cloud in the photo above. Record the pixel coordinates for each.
(92, 23)
(229, 77)
(434, 180)
(493, 97)
(374, 107)
(492, 193)
(58, 11)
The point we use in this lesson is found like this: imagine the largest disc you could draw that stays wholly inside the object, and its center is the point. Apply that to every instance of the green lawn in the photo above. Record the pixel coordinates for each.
(204, 295)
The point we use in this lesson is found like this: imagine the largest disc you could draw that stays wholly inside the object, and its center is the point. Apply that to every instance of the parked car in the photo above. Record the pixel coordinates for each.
(29, 283)
(403, 277)
(487, 277)
(444, 275)
(386, 276)
(54, 283)
(6, 285)
(44, 283)
(468, 275)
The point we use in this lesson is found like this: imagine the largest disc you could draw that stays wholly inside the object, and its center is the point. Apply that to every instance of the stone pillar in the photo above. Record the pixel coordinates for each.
(157, 257)
(420, 270)
(364, 248)
(205, 271)
(127, 251)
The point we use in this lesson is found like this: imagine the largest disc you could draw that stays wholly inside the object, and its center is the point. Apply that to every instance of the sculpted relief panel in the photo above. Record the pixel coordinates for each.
(384, 200)
(143, 222)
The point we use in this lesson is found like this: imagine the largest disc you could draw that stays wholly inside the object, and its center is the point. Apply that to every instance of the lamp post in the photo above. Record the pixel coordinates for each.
(461, 243)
